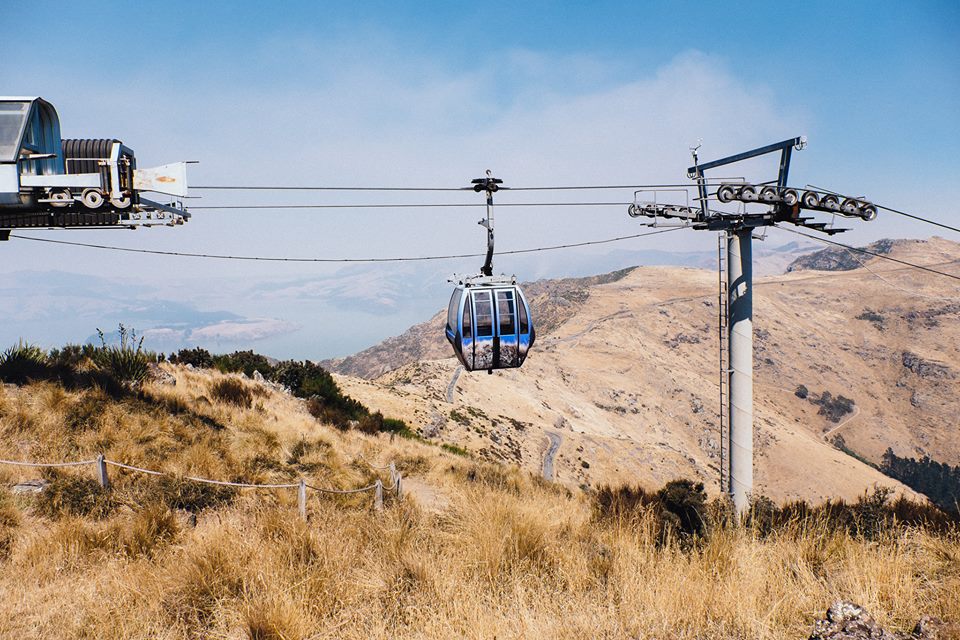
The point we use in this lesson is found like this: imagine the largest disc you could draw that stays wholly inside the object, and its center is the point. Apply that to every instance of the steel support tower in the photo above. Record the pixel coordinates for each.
(782, 204)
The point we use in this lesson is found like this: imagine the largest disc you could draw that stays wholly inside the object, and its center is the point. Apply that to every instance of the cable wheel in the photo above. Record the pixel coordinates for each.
(769, 194)
(92, 198)
(789, 197)
(726, 193)
(748, 193)
(811, 200)
(850, 207)
(121, 203)
(61, 198)
(830, 202)
(868, 212)
(634, 210)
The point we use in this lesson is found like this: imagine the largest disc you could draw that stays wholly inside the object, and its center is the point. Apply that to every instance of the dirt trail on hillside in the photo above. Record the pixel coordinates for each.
(453, 384)
(555, 440)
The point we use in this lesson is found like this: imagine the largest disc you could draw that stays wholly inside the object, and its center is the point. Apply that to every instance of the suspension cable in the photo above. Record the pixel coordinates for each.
(183, 254)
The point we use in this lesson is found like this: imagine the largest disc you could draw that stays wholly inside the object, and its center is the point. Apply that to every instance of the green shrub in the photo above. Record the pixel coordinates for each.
(399, 427)
(937, 480)
(455, 450)
(69, 358)
(683, 507)
(245, 362)
(196, 357)
(22, 363)
(308, 380)
(623, 502)
(232, 391)
(125, 363)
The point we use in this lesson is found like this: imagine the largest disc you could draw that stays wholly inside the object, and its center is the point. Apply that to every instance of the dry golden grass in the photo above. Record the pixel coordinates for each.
(507, 556)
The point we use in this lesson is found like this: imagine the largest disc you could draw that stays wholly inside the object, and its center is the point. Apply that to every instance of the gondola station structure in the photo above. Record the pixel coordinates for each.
(759, 206)
(47, 182)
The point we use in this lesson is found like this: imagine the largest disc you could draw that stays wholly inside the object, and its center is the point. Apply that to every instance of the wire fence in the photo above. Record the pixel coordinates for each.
(377, 487)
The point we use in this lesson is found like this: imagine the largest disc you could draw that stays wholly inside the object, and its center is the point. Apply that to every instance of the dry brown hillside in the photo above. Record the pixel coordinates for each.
(469, 550)
(625, 374)
(555, 300)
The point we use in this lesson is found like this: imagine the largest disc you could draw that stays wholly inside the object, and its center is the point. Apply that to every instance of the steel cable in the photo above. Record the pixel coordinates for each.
(183, 254)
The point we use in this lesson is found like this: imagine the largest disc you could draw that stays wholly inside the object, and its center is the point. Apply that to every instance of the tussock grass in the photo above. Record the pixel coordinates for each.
(509, 556)
(232, 391)
(9, 521)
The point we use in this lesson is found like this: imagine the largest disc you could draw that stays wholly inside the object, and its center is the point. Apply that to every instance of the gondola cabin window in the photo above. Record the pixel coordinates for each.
(506, 313)
(467, 327)
(452, 312)
(484, 310)
(524, 323)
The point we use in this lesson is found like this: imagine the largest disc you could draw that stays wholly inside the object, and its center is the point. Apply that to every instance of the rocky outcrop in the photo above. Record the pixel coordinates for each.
(840, 259)
(848, 621)
(925, 368)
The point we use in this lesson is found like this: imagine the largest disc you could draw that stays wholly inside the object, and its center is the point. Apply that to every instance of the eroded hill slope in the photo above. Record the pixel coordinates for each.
(627, 376)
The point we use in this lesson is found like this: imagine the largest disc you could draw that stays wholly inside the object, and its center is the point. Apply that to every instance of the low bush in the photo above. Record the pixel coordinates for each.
(24, 362)
(308, 380)
(126, 363)
(623, 502)
(245, 362)
(680, 509)
(232, 391)
(455, 450)
(326, 414)
(371, 423)
(70, 358)
(683, 507)
(196, 357)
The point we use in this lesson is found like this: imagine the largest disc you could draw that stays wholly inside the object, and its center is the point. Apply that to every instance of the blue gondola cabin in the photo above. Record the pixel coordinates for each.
(489, 324)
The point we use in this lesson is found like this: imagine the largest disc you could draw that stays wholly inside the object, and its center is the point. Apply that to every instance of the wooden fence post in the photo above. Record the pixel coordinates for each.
(102, 472)
(378, 496)
(398, 482)
(302, 499)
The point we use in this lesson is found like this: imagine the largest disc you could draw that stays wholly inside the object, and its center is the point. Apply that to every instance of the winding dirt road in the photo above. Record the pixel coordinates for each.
(554, 445)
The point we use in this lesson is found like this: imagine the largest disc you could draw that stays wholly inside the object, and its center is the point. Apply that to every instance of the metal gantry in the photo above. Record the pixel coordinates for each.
(782, 204)
(47, 182)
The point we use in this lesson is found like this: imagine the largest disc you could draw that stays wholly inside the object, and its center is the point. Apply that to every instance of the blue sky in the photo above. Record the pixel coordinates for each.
(434, 93)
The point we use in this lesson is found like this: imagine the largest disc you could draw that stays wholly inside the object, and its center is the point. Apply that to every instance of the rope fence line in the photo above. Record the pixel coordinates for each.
(19, 463)
(373, 466)
(345, 491)
(102, 463)
(129, 467)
